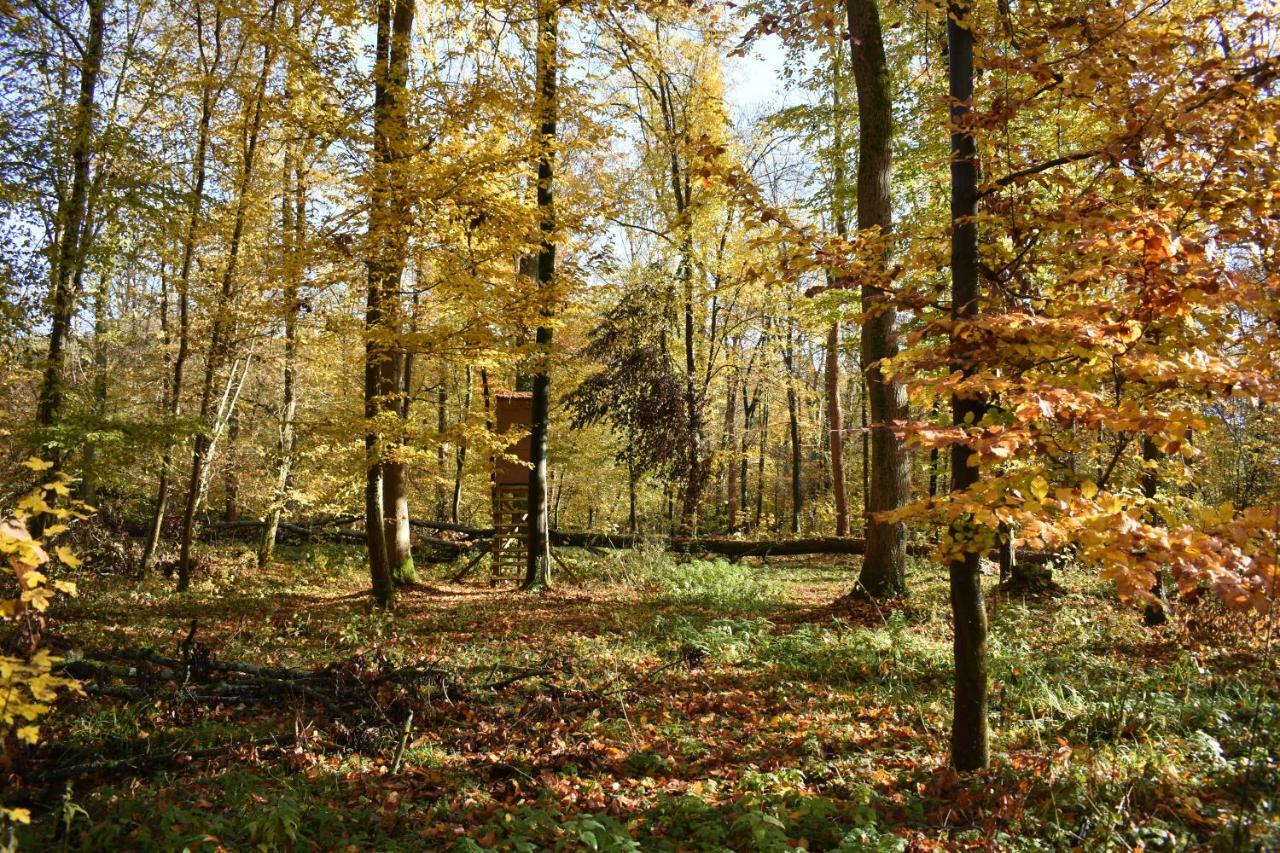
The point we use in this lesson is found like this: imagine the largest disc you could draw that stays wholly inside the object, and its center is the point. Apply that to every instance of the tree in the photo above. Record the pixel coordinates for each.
(969, 739)
(72, 236)
(390, 216)
(884, 565)
(211, 85)
(214, 421)
(538, 569)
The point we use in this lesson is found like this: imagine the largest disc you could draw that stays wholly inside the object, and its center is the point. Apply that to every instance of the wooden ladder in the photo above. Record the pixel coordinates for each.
(510, 529)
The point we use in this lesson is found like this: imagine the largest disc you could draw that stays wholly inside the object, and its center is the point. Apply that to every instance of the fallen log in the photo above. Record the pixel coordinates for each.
(431, 549)
(446, 550)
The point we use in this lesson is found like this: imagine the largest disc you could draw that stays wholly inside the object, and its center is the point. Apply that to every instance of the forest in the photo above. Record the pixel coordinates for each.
(667, 425)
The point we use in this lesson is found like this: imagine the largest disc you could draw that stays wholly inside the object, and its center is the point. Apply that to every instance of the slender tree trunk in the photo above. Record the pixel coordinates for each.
(884, 565)
(73, 236)
(101, 330)
(538, 568)
(731, 448)
(835, 428)
(969, 738)
(220, 335)
(793, 418)
(631, 496)
(933, 473)
(748, 421)
(460, 458)
(293, 227)
(1154, 613)
(442, 424)
(835, 417)
(866, 448)
(764, 446)
(174, 391)
(231, 476)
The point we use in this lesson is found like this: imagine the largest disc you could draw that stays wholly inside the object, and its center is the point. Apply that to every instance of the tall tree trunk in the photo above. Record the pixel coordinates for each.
(793, 418)
(73, 236)
(835, 417)
(538, 567)
(220, 335)
(173, 402)
(293, 227)
(748, 421)
(101, 330)
(731, 449)
(442, 424)
(969, 738)
(884, 565)
(460, 457)
(390, 213)
(866, 444)
(835, 428)
(764, 446)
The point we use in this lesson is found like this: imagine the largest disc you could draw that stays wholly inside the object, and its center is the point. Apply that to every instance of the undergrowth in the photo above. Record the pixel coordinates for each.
(697, 706)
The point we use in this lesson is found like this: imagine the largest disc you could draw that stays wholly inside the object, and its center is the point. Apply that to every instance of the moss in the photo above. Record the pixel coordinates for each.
(404, 573)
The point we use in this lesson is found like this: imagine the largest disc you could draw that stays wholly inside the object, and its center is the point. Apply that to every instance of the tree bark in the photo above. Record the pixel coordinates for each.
(1153, 613)
(219, 339)
(390, 217)
(460, 457)
(538, 566)
(72, 242)
(293, 227)
(199, 166)
(884, 567)
(394, 397)
(969, 736)
(731, 449)
(835, 427)
(101, 331)
(793, 432)
(835, 417)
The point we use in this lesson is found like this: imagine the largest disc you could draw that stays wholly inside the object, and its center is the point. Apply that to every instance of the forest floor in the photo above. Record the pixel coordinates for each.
(651, 706)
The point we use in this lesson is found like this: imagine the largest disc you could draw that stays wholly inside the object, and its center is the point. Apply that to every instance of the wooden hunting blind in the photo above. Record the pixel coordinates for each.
(513, 414)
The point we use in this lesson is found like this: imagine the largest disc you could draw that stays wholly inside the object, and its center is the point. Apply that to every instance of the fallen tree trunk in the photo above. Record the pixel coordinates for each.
(449, 549)
(431, 549)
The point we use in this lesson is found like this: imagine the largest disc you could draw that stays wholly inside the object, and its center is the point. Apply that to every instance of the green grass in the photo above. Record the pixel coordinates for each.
(703, 706)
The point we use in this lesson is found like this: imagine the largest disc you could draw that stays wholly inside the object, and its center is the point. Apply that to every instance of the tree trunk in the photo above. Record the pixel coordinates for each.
(969, 738)
(835, 417)
(219, 339)
(73, 236)
(835, 428)
(1154, 613)
(731, 449)
(442, 424)
(231, 476)
(764, 445)
(101, 329)
(174, 391)
(631, 496)
(460, 457)
(293, 227)
(397, 386)
(793, 418)
(396, 397)
(538, 566)
(884, 567)
(389, 220)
